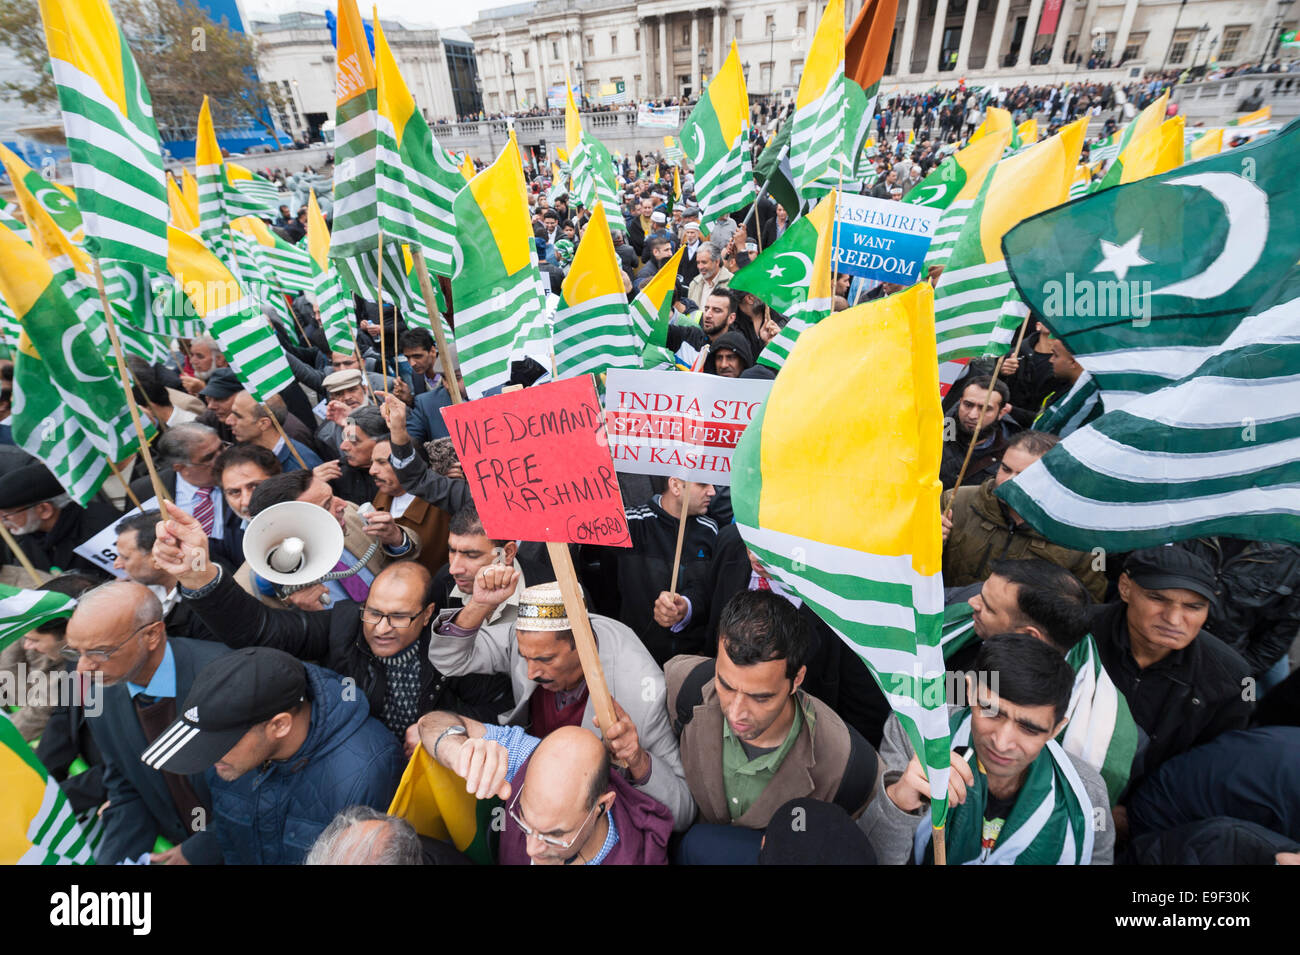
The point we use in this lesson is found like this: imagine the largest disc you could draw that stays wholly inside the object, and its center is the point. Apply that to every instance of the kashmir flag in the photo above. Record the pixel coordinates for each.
(673, 151)
(233, 317)
(1028, 132)
(1081, 182)
(180, 212)
(652, 308)
(592, 330)
(973, 287)
(1206, 144)
(782, 275)
(37, 824)
(866, 50)
(416, 184)
(591, 168)
(1211, 453)
(433, 800)
(117, 167)
(1143, 282)
(817, 300)
(1137, 150)
(715, 138)
(210, 173)
(996, 120)
(468, 169)
(356, 209)
(496, 283)
(579, 164)
(333, 304)
(289, 267)
(9, 219)
(559, 186)
(865, 551)
(22, 611)
(190, 193)
(74, 359)
(1262, 115)
(953, 187)
(1171, 144)
(773, 168)
(251, 194)
(819, 152)
(255, 276)
(58, 201)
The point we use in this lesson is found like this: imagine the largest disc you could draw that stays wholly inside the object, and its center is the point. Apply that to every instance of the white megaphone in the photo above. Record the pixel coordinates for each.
(293, 544)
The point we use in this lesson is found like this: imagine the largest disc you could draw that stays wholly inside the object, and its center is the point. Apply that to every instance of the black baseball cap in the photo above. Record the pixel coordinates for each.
(1171, 568)
(222, 384)
(230, 696)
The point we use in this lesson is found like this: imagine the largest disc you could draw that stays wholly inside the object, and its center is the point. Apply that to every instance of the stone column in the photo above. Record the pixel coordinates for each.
(994, 59)
(718, 55)
(643, 28)
(1063, 33)
(967, 35)
(1031, 33)
(1125, 25)
(539, 61)
(1085, 32)
(936, 37)
(695, 55)
(665, 81)
(904, 66)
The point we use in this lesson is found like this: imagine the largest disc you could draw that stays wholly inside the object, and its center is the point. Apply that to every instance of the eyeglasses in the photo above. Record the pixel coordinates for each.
(398, 621)
(98, 656)
(210, 456)
(549, 840)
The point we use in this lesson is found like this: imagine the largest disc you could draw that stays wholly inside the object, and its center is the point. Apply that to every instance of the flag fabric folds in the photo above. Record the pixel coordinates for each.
(117, 167)
(37, 824)
(356, 209)
(866, 51)
(651, 310)
(333, 303)
(865, 551)
(819, 150)
(817, 299)
(592, 330)
(433, 800)
(22, 611)
(953, 186)
(715, 138)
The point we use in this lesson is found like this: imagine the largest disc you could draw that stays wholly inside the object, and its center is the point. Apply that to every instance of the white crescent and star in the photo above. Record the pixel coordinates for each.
(67, 354)
(777, 272)
(1246, 207)
(939, 191)
(699, 140)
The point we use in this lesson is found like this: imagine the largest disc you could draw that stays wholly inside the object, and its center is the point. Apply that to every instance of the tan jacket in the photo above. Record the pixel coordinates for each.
(700, 287)
(982, 533)
(814, 766)
(427, 524)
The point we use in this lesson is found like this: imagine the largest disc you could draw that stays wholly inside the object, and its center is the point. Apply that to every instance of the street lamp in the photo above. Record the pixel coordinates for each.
(704, 59)
(1274, 39)
(771, 55)
(582, 86)
(514, 87)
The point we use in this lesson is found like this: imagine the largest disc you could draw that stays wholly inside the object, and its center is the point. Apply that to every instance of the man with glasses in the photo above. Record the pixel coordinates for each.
(47, 524)
(381, 644)
(563, 804)
(117, 636)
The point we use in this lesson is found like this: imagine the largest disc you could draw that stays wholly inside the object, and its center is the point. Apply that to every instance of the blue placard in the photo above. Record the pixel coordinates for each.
(883, 240)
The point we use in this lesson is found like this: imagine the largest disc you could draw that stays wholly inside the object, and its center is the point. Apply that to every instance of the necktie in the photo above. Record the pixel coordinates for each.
(355, 587)
(203, 511)
(763, 584)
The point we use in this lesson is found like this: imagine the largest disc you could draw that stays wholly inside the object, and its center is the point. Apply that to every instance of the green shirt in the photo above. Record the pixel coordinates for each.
(744, 779)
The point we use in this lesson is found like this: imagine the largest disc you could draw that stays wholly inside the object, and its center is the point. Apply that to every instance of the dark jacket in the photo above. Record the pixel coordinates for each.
(229, 549)
(1258, 587)
(1032, 382)
(1250, 774)
(984, 460)
(1184, 700)
(66, 737)
(425, 423)
(273, 816)
(421, 480)
(140, 806)
(983, 531)
(1217, 841)
(334, 639)
(734, 340)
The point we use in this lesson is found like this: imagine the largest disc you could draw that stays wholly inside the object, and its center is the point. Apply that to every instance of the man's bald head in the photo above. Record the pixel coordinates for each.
(127, 601)
(118, 630)
(571, 765)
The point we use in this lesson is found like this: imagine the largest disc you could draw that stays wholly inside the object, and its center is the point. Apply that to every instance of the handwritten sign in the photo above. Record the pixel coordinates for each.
(883, 240)
(678, 424)
(538, 464)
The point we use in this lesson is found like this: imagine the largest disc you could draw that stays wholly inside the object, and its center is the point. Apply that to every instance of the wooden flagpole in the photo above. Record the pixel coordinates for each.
(18, 553)
(584, 640)
(158, 488)
(365, 376)
(379, 293)
(681, 534)
(117, 473)
(444, 353)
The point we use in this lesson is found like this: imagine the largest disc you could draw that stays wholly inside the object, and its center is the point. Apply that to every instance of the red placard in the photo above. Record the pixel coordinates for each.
(538, 464)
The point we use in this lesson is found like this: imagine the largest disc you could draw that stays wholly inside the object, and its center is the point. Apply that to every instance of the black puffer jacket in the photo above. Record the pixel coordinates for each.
(1258, 586)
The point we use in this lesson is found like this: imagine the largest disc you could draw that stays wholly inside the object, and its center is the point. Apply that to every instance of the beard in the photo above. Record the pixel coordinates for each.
(30, 526)
(203, 376)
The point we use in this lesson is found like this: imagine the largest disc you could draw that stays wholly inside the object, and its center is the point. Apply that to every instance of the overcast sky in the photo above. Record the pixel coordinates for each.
(438, 13)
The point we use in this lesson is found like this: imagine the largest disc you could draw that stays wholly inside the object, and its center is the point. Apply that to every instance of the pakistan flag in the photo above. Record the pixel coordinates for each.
(1144, 281)
(782, 274)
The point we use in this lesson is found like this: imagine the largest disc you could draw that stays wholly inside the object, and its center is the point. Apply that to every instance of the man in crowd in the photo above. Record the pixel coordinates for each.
(47, 524)
(747, 732)
(239, 470)
(345, 392)
(134, 545)
(422, 355)
(565, 804)
(1011, 733)
(974, 404)
(285, 748)
(539, 652)
(978, 526)
(423, 521)
(250, 422)
(362, 430)
(1184, 685)
(117, 634)
(381, 644)
(731, 356)
(711, 274)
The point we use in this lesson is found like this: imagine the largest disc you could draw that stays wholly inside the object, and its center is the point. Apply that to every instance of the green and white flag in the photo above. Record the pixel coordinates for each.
(1010, 318)
(22, 611)
(1064, 414)
(249, 194)
(782, 274)
(1101, 731)
(1214, 453)
(716, 140)
(356, 207)
(415, 183)
(593, 330)
(37, 825)
(1144, 281)
(117, 166)
(819, 148)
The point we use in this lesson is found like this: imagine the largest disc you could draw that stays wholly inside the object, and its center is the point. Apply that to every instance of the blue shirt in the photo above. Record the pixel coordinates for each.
(163, 682)
(519, 746)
